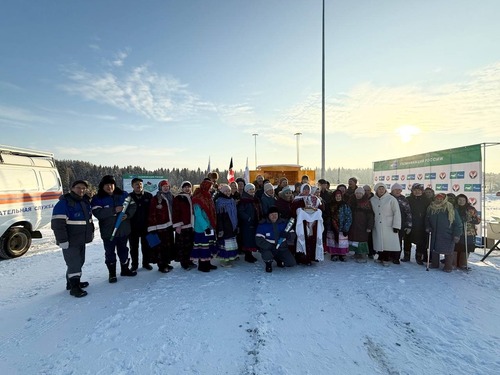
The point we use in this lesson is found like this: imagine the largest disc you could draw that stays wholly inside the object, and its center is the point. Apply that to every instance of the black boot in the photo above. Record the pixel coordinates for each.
(75, 290)
(112, 272)
(269, 266)
(249, 257)
(83, 284)
(203, 266)
(125, 270)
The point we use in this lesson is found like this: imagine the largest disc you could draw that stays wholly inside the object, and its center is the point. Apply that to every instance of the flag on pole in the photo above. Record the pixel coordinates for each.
(208, 168)
(247, 173)
(230, 172)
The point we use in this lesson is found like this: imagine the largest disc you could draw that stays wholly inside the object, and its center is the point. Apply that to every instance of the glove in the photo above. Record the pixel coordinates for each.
(368, 231)
(208, 232)
(345, 234)
(395, 230)
(64, 245)
(408, 230)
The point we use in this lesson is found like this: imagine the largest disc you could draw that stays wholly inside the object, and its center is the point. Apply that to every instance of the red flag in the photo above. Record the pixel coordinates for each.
(230, 172)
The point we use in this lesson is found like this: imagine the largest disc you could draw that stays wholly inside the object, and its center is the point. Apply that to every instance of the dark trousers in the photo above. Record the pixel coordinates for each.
(120, 245)
(133, 240)
(282, 254)
(74, 256)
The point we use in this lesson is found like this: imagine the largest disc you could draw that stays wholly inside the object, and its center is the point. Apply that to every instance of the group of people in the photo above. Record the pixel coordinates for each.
(288, 225)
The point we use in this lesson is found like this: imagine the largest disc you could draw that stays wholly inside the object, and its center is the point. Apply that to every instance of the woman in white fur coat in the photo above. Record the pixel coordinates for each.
(387, 225)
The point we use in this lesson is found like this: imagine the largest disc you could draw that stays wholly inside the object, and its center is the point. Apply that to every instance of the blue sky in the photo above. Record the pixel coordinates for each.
(170, 83)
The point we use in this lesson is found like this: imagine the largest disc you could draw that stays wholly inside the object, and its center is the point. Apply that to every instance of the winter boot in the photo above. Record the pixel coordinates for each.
(448, 262)
(125, 271)
(406, 256)
(419, 258)
(203, 266)
(112, 272)
(211, 266)
(269, 266)
(249, 257)
(75, 290)
(83, 284)
(435, 261)
(147, 266)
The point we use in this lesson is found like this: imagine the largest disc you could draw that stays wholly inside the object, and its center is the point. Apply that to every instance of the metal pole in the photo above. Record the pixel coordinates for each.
(255, 147)
(298, 135)
(323, 99)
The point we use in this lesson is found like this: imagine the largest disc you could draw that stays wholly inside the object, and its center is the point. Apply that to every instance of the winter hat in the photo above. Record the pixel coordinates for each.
(337, 192)
(163, 182)
(396, 186)
(268, 186)
(136, 179)
(83, 182)
(367, 187)
(417, 186)
(359, 190)
(185, 183)
(286, 188)
(272, 210)
(108, 179)
(239, 179)
(378, 185)
(441, 195)
(248, 187)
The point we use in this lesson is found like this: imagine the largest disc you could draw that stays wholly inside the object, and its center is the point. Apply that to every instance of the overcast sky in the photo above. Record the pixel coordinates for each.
(171, 83)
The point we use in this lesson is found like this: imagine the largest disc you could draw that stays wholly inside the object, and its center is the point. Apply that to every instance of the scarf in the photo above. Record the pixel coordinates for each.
(203, 198)
(225, 204)
(436, 207)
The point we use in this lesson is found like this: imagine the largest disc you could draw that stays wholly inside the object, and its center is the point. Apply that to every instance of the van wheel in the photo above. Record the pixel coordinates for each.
(15, 242)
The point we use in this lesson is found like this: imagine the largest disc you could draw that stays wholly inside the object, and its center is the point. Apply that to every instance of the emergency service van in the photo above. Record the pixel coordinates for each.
(30, 186)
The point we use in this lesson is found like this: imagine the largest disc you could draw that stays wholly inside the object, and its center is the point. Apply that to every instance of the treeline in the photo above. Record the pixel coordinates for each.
(71, 170)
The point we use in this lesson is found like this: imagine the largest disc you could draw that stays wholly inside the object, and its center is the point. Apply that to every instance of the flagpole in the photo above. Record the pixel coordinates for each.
(323, 99)
(255, 146)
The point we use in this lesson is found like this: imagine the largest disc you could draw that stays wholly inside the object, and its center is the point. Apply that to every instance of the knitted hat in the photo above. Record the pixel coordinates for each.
(163, 182)
(378, 185)
(248, 187)
(185, 183)
(359, 190)
(286, 188)
(417, 187)
(83, 182)
(396, 186)
(268, 186)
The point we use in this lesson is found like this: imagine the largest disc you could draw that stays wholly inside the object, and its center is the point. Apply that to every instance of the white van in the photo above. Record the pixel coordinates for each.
(30, 186)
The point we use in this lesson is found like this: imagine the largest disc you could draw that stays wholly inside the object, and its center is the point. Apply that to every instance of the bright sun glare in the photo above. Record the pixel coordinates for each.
(406, 132)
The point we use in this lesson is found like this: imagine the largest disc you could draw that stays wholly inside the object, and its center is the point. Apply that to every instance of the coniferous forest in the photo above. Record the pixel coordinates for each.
(71, 170)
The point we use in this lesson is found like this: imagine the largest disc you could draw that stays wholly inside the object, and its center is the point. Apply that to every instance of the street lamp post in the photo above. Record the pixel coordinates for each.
(255, 147)
(298, 137)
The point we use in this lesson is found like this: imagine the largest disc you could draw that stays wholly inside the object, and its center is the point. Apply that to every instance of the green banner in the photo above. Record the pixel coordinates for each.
(466, 154)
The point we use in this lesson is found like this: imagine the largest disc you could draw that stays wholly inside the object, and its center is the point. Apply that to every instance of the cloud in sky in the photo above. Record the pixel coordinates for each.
(369, 111)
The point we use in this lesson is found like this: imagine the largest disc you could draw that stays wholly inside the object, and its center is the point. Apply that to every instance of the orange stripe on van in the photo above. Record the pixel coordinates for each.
(28, 197)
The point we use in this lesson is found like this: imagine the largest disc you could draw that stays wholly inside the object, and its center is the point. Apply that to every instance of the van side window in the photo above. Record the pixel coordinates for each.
(18, 179)
(50, 181)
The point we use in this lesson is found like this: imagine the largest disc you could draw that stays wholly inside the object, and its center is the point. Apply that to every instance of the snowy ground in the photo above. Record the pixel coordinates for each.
(330, 318)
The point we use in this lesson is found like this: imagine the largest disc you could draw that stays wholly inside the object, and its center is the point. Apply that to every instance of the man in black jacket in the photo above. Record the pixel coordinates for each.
(139, 226)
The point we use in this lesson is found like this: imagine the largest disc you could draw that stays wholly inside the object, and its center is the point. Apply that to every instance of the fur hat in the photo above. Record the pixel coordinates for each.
(248, 187)
(272, 210)
(185, 183)
(396, 186)
(108, 179)
(379, 185)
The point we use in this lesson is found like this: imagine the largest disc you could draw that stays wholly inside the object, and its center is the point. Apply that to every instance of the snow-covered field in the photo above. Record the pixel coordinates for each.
(330, 318)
